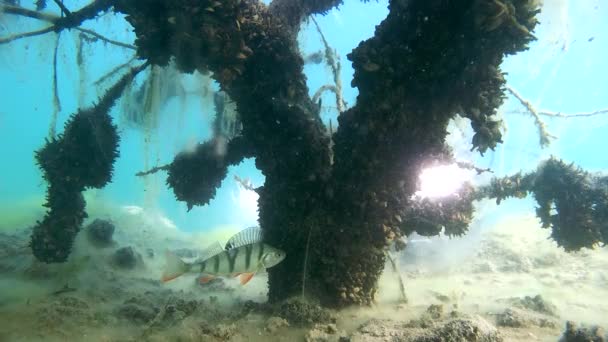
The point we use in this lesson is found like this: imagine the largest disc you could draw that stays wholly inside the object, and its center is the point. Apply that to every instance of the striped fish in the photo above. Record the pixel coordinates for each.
(244, 255)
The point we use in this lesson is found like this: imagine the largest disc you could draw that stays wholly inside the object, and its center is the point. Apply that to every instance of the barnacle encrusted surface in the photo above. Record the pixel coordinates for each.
(195, 176)
(203, 35)
(82, 157)
(427, 62)
(52, 238)
(428, 217)
(572, 202)
(580, 201)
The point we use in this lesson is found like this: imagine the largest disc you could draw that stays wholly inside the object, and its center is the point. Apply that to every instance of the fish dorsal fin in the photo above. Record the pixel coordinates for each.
(245, 237)
(211, 250)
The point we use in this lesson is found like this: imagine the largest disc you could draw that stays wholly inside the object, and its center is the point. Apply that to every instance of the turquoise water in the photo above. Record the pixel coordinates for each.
(562, 71)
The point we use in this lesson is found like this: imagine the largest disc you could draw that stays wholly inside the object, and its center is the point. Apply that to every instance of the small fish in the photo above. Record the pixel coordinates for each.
(244, 255)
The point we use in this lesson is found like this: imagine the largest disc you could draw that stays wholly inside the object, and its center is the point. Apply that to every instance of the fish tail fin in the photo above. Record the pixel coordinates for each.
(174, 267)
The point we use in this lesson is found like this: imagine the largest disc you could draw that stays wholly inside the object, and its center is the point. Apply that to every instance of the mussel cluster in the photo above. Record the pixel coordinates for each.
(82, 157)
(572, 202)
(451, 214)
(195, 176)
(199, 35)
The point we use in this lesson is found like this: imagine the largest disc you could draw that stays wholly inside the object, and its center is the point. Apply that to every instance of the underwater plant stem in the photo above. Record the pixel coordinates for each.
(246, 185)
(115, 70)
(107, 40)
(56, 102)
(469, 166)
(26, 34)
(399, 278)
(335, 68)
(324, 88)
(115, 91)
(89, 11)
(573, 115)
(545, 136)
(153, 170)
(158, 318)
(17, 10)
(64, 9)
(306, 261)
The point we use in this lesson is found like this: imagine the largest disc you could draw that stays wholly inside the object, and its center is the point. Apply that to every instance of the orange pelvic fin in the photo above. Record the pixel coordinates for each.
(166, 278)
(246, 277)
(205, 279)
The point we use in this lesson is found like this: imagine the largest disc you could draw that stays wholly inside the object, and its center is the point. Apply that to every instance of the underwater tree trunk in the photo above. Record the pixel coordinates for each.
(427, 62)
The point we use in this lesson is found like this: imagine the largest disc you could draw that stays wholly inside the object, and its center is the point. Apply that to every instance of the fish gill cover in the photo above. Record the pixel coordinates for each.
(332, 201)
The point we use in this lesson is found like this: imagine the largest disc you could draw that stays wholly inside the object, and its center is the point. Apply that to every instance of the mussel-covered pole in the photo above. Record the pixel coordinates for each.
(80, 158)
(427, 62)
(571, 201)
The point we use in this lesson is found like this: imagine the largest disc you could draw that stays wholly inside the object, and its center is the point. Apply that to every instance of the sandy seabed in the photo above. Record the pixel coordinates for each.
(510, 283)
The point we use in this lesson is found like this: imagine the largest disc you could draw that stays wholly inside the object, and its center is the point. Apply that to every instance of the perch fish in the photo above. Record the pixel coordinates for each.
(244, 255)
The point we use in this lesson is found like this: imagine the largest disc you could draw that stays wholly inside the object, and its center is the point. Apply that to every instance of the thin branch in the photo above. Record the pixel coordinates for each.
(153, 170)
(63, 8)
(323, 88)
(74, 20)
(335, 68)
(306, 262)
(26, 34)
(403, 296)
(89, 11)
(56, 102)
(115, 70)
(158, 318)
(470, 166)
(545, 136)
(107, 40)
(573, 115)
(331, 143)
(18, 10)
(246, 184)
(60, 23)
(52, 28)
(564, 115)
